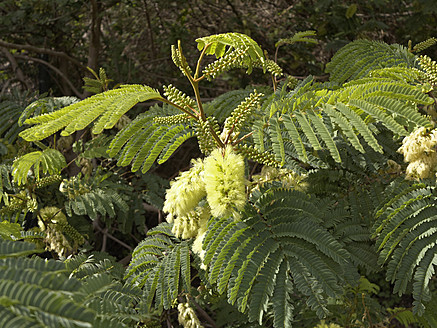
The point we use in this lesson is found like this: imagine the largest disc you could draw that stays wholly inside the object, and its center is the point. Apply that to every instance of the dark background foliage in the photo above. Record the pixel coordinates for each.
(46, 45)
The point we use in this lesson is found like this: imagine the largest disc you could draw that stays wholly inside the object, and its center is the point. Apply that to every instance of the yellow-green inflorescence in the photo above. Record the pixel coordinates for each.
(187, 317)
(220, 180)
(419, 150)
(225, 182)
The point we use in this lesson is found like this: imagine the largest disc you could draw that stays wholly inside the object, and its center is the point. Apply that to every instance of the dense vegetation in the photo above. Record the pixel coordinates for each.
(251, 184)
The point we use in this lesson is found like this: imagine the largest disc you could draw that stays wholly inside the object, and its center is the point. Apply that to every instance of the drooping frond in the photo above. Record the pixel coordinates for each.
(9, 248)
(279, 243)
(313, 116)
(44, 106)
(47, 293)
(147, 139)
(161, 266)
(50, 161)
(304, 36)
(217, 44)
(106, 108)
(358, 58)
(407, 238)
(82, 199)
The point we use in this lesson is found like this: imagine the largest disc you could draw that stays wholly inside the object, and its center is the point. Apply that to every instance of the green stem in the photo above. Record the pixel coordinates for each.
(195, 84)
(199, 61)
(181, 108)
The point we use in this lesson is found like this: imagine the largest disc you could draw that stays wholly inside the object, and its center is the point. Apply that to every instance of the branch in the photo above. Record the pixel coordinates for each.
(17, 70)
(42, 51)
(56, 70)
(105, 234)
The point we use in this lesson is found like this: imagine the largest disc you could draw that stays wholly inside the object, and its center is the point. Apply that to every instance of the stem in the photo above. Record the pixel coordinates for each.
(202, 54)
(242, 138)
(181, 108)
(195, 85)
(203, 313)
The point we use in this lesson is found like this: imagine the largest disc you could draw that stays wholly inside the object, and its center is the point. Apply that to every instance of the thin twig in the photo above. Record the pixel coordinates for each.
(204, 314)
(106, 233)
(56, 70)
(42, 51)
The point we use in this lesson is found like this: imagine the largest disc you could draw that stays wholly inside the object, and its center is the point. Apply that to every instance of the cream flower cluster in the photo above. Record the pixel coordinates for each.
(189, 226)
(187, 317)
(419, 149)
(219, 179)
(225, 182)
(55, 239)
(185, 192)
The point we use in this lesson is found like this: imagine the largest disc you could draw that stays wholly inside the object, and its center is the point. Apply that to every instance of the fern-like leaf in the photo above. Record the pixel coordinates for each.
(304, 36)
(107, 107)
(252, 258)
(143, 141)
(358, 58)
(407, 237)
(49, 160)
(217, 44)
(161, 266)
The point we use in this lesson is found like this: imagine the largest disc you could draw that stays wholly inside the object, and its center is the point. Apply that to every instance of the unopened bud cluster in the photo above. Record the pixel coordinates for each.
(419, 149)
(430, 68)
(229, 61)
(203, 133)
(258, 156)
(178, 97)
(288, 179)
(172, 120)
(239, 116)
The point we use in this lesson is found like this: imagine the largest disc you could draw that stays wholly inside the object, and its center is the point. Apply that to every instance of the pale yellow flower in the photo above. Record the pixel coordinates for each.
(190, 225)
(185, 192)
(224, 182)
(187, 317)
(419, 149)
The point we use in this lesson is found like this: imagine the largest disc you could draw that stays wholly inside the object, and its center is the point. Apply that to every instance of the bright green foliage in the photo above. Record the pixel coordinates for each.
(107, 107)
(44, 106)
(313, 114)
(247, 50)
(281, 255)
(50, 161)
(146, 139)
